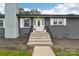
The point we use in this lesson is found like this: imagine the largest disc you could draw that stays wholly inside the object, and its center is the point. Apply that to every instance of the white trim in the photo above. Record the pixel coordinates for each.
(65, 21)
(3, 23)
(57, 19)
(39, 19)
(22, 22)
(51, 20)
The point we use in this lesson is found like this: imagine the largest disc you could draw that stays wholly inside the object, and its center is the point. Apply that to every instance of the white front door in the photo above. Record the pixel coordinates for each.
(39, 24)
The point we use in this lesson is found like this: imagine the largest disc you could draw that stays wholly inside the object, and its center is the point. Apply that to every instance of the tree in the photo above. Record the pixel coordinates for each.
(31, 12)
(21, 10)
(34, 12)
(27, 13)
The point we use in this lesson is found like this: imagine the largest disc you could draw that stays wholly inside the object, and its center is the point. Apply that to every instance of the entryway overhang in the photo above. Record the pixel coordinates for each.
(47, 15)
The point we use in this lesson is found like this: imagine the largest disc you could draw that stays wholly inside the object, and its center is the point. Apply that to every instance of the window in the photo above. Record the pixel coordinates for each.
(38, 23)
(58, 21)
(55, 22)
(25, 22)
(1, 23)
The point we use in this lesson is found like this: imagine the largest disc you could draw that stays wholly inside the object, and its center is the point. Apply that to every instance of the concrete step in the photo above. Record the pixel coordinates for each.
(39, 37)
(40, 40)
(40, 44)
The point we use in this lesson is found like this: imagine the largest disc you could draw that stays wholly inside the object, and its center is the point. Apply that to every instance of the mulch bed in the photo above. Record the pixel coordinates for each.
(66, 43)
(15, 44)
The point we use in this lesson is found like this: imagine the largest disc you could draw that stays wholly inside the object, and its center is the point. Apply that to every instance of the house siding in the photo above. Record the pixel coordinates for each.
(2, 29)
(2, 32)
(47, 22)
(71, 30)
(23, 32)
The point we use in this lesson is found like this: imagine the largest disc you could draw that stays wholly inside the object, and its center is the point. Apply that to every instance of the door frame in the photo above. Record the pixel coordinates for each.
(35, 23)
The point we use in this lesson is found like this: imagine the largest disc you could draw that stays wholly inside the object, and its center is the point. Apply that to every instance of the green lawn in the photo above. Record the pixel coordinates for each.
(60, 52)
(8, 52)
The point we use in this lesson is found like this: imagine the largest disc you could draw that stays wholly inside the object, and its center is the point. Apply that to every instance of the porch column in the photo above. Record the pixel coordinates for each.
(11, 21)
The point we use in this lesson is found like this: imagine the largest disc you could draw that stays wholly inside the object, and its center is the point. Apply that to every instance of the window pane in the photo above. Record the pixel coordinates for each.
(60, 22)
(1, 23)
(38, 23)
(26, 23)
(55, 22)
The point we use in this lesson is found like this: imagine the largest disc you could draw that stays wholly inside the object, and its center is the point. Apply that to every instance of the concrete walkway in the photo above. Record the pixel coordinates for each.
(42, 44)
(43, 51)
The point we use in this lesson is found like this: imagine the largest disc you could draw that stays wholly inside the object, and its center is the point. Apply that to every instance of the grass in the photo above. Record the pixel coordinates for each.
(8, 52)
(61, 52)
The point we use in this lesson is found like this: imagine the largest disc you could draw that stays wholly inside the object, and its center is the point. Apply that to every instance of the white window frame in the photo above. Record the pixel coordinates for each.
(22, 22)
(3, 23)
(58, 19)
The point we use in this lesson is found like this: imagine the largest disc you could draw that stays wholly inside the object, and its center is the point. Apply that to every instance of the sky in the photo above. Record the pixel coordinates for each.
(2, 8)
(37, 5)
(48, 8)
(52, 8)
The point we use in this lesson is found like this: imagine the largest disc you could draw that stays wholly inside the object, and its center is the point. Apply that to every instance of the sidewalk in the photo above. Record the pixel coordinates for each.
(43, 51)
